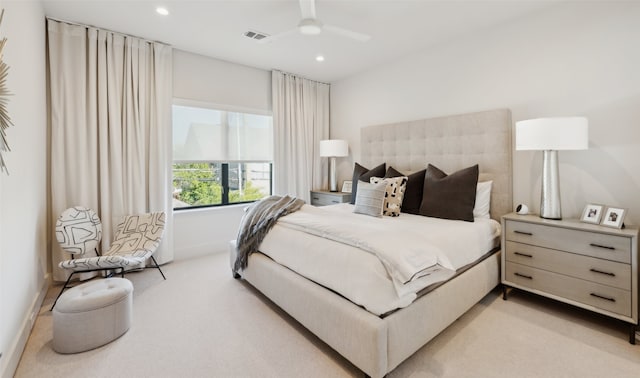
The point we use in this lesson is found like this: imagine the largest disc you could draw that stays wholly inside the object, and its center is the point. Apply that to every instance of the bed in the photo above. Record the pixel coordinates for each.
(377, 344)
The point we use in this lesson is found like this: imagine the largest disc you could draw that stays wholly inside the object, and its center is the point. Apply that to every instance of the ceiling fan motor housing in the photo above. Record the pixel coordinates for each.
(310, 26)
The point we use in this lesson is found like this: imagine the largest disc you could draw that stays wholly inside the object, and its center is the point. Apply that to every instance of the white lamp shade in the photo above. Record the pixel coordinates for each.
(334, 148)
(559, 133)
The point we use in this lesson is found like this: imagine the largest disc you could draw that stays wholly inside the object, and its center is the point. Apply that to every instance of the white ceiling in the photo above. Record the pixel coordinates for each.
(215, 28)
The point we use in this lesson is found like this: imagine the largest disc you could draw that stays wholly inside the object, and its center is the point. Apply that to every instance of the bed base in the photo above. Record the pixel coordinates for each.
(375, 345)
(378, 345)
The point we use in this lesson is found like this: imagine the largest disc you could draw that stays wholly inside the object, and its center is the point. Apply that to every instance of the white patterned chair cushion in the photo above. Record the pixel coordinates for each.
(137, 238)
(394, 194)
(78, 230)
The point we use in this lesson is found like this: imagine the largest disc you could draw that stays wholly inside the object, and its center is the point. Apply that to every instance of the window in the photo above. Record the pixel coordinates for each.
(220, 157)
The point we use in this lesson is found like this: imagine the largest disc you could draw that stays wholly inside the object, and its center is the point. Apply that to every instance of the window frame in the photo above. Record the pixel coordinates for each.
(224, 166)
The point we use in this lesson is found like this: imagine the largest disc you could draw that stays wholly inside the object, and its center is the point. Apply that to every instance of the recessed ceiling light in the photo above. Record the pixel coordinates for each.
(320, 58)
(163, 11)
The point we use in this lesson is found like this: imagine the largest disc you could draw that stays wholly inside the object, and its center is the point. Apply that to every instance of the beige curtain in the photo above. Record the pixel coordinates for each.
(300, 122)
(110, 123)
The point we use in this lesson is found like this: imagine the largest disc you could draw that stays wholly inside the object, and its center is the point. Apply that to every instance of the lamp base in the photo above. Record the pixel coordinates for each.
(333, 181)
(550, 196)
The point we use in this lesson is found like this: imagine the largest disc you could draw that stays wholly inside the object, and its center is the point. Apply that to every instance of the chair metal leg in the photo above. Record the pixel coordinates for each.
(63, 287)
(111, 273)
(114, 272)
(158, 266)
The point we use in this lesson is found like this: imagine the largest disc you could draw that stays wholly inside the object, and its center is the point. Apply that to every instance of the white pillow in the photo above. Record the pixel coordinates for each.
(483, 200)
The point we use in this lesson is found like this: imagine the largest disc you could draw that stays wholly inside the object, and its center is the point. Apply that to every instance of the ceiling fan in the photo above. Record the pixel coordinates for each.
(310, 25)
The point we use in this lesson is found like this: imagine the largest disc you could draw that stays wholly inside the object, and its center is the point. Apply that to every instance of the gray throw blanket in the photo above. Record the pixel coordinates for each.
(257, 221)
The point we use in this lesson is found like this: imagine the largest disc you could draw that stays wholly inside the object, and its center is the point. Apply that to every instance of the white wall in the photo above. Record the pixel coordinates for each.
(202, 231)
(23, 194)
(199, 78)
(574, 59)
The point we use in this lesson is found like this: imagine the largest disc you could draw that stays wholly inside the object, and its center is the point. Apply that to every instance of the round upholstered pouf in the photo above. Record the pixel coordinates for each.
(92, 314)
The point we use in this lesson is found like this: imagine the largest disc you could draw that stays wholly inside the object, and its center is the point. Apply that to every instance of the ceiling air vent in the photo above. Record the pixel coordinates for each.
(255, 35)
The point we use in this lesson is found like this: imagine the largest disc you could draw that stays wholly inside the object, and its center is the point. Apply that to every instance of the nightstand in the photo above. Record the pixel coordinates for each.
(323, 197)
(589, 266)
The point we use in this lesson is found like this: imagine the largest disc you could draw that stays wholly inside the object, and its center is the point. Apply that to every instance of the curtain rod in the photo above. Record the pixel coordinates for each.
(108, 30)
(301, 77)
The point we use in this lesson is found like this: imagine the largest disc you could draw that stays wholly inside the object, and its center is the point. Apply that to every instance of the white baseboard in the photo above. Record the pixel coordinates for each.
(10, 359)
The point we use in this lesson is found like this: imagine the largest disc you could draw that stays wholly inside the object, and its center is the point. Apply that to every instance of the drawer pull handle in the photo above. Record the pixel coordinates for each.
(316, 198)
(523, 233)
(601, 272)
(523, 275)
(602, 246)
(603, 297)
(334, 201)
(523, 254)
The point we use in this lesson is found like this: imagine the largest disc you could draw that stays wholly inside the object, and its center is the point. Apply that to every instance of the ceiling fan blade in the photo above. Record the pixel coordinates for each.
(361, 37)
(278, 36)
(308, 9)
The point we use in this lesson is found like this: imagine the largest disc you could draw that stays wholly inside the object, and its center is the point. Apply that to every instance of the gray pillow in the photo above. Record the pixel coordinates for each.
(452, 196)
(370, 199)
(361, 173)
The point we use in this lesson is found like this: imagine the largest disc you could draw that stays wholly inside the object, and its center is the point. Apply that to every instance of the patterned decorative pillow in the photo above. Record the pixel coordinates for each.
(413, 193)
(394, 193)
(370, 199)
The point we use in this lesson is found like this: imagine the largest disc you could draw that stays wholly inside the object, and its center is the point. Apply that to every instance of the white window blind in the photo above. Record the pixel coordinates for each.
(209, 135)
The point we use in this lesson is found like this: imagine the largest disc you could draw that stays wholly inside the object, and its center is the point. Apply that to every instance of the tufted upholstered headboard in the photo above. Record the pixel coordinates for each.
(450, 143)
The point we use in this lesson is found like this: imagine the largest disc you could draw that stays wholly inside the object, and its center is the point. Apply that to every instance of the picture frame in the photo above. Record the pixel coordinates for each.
(346, 186)
(614, 217)
(592, 213)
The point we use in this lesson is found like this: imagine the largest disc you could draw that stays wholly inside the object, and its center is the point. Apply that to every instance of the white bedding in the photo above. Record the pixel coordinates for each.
(342, 251)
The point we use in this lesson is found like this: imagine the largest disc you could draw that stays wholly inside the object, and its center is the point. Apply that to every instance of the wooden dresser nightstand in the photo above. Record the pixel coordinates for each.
(589, 266)
(323, 197)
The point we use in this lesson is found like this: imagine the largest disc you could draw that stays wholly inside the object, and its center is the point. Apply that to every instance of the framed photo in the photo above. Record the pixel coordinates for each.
(346, 186)
(592, 213)
(614, 217)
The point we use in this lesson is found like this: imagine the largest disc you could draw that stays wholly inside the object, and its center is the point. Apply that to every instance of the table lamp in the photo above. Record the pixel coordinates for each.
(333, 148)
(550, 135)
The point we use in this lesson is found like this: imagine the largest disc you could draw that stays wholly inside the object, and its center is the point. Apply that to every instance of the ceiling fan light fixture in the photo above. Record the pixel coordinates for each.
(310, 26)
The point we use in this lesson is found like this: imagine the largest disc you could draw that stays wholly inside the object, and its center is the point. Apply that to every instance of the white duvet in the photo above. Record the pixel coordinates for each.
(378, 263)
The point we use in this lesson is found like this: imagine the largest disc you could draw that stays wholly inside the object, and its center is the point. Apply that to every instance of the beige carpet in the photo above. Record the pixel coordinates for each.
(203, 323)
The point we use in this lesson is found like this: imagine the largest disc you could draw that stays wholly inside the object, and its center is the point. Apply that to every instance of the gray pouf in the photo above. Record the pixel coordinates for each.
(92, 314)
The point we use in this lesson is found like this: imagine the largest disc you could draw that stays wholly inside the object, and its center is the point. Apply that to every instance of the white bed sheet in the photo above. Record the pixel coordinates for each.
(359, 275)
